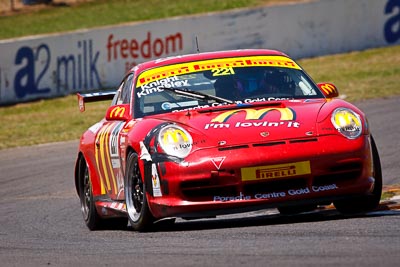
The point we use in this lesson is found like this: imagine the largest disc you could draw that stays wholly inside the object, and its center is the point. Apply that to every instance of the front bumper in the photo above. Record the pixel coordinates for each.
(212, 181)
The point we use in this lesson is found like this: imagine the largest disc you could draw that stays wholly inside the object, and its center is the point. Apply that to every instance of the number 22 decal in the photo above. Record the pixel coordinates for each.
(223, 71)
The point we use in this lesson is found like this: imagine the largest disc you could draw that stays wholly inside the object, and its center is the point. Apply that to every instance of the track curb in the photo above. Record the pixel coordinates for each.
(393, 201)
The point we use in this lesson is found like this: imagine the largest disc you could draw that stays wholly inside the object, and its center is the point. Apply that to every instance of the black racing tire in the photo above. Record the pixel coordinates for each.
(292, 210)
(368, 202)
(139, 214)
(88, 208)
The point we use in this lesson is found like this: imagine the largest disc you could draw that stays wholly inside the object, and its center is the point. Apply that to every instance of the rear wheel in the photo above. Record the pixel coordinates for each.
(90, 216)
(368, 202)
(137, 207)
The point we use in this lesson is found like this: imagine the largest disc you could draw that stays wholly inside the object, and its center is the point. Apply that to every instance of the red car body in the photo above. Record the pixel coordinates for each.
(171, 146)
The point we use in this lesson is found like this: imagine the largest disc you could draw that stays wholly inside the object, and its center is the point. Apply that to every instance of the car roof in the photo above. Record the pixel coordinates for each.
(204, 56)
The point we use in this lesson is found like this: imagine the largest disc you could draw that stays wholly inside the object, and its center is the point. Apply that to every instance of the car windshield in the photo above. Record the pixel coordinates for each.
(237, 80)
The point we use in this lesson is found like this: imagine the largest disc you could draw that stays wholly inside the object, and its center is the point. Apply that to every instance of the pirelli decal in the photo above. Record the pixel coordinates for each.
(156, 74)
(276, 171)
(106, 152)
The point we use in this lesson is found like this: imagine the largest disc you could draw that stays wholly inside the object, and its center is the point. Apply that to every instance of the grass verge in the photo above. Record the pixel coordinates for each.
(89, 14)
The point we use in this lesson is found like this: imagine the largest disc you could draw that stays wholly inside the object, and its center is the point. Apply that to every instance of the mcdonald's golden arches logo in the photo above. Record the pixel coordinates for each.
(117, 112)
(286, 114)
(174, 135)
(175, 141)
(328, 88)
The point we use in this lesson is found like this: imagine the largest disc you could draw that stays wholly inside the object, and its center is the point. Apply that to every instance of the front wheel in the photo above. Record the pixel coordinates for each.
(137, 207)
(368, 202)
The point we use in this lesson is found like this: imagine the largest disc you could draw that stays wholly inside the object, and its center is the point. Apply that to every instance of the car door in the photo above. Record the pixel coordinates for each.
(108, 142)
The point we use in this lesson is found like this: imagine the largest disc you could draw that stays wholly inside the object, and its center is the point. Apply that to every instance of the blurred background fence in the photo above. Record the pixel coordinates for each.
(9, 7)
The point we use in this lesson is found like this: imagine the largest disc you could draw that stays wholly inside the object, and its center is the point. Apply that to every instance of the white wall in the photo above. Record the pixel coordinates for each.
(60, 64)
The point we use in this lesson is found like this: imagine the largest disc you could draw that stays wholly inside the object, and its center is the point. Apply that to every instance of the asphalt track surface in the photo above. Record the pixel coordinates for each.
(41, 223)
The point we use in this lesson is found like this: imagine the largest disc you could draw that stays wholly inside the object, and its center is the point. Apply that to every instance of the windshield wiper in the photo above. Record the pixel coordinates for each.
(196, 95)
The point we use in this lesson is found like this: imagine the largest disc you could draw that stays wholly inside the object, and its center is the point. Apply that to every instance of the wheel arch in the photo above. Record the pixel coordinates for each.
(131, 149)
(92, 173)
(76, 172)
(146, 172)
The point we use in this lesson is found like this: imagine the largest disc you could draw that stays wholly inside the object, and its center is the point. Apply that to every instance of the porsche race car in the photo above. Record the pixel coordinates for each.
(217, 133)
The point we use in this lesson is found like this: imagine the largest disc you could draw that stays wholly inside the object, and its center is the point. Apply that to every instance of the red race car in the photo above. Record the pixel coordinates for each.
(222, 132)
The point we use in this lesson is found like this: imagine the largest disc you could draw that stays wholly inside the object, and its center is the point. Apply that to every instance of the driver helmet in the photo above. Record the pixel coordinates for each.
(277, 81)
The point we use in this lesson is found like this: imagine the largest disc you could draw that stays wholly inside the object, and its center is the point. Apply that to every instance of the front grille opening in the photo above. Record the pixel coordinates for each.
(340, 173)
(209, 192)
(196, 183)
(336, 178)
(274, 186)
(351, 166)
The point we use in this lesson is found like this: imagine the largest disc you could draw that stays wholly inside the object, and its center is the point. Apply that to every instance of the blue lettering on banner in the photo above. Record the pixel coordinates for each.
(26, 81)
(73, 71)
(79, 69)
(392, 25)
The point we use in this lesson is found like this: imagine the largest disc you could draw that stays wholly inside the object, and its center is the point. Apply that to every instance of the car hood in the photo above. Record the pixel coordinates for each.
(261, 122)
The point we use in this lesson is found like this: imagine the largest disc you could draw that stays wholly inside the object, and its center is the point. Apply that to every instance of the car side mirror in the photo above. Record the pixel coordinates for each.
(118, 113)
(329, 90)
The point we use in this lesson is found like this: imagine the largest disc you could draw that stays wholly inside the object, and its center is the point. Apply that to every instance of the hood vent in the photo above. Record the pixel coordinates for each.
(270, 144)
(232, 147)
(306, 140)
(277, 143)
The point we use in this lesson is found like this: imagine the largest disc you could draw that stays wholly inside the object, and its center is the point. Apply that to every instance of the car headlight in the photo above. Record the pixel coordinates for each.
(175, 141)
(347, 122)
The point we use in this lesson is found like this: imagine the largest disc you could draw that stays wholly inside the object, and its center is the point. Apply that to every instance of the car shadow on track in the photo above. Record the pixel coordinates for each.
(264, 218)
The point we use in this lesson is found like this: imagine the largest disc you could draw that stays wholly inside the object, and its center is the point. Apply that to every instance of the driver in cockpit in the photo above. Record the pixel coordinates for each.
(276, 82)
(228, 87)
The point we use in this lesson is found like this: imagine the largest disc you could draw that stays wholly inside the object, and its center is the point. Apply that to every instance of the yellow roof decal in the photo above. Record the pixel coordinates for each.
(196, 66)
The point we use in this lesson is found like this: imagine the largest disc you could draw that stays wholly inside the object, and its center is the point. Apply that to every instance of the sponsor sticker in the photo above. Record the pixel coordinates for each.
(278, 194)
(218, 162)
(275, 171)
(286, 114)
(254, 118)
(155, 180)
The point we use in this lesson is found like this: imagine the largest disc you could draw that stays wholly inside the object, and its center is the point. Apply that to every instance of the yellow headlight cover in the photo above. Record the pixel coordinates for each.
(175, 141)
(347, 122)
